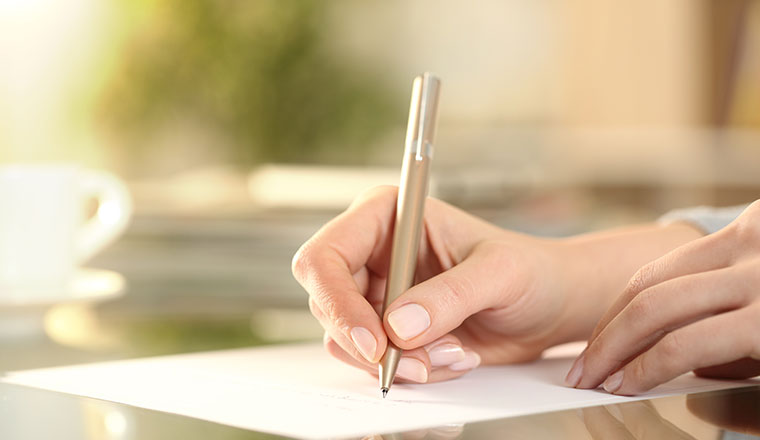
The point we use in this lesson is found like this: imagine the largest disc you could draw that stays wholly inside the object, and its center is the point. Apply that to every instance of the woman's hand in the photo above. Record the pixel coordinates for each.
(483, 294)
(696, 308)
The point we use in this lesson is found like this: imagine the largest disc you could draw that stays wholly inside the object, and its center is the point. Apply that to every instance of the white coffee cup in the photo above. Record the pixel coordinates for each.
(44, 235)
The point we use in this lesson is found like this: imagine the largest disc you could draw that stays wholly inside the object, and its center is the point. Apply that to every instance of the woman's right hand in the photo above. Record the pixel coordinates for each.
(483, 294)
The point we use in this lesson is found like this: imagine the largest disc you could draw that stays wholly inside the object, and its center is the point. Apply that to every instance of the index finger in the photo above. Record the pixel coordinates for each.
(325, 266)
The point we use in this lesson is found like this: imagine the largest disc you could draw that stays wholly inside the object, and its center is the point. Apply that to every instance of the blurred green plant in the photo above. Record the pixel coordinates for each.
(256, 72)
(168, 335)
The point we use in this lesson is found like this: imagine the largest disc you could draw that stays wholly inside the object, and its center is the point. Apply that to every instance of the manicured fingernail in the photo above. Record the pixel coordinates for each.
(365, 342)
(613, 382)
(409, 321)
(470, 361)
(445, 354)
(576, 372)
(412, 369)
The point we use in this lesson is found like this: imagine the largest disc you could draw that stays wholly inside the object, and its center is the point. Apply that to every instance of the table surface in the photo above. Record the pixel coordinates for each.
(198, 284)
(731, 414)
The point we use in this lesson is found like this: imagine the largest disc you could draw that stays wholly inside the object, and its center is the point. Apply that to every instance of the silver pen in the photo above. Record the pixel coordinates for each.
(410, 207)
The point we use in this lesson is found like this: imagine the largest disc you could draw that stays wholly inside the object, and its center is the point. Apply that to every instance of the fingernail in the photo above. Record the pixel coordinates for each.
(470, 361)
(412, 369)
(445, 354)
(613, 382)
(365, 342)
(409, 321)
(576, 372)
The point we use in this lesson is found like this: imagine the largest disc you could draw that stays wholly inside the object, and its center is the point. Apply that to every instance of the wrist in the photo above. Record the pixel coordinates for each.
(594, 269)
(578, 289)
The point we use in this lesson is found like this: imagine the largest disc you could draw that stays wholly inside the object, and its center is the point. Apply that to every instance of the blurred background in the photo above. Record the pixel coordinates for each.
(241, 127)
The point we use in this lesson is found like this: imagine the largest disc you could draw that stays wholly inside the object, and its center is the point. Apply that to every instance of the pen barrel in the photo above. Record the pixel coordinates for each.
(407, 230)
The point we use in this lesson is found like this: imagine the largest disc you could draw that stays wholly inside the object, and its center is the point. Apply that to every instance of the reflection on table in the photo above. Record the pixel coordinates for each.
(732, 414)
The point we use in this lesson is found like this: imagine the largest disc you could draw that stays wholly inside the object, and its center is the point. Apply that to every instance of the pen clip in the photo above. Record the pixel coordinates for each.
(423, 112)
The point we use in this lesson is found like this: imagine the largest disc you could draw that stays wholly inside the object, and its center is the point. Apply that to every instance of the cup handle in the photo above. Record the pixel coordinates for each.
(111, 218)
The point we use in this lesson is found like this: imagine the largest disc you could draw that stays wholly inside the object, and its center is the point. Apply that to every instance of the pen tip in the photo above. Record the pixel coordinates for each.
(385, 392)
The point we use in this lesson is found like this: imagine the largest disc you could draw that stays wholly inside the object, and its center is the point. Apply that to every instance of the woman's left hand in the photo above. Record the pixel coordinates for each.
(696, 308)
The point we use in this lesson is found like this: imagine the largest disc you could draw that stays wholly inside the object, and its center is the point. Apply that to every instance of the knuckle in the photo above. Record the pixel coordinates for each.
(652, 366)
(744, 230)
(671, 349)
(601, 356)
(641, 279)
(314, 309)
(667, 359)
(642, 305)
(324, 301)
(302, 261)
(457, 291)
(330, 308)
(639, 370)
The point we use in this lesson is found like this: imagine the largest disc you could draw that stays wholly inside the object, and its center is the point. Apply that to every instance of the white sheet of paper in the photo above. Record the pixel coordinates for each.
(299, 391)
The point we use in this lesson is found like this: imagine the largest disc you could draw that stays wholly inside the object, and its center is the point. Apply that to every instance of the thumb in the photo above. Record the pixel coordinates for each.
(440, 304)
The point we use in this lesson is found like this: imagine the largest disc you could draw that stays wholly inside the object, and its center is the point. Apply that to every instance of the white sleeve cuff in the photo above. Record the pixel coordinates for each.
(706, 218)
